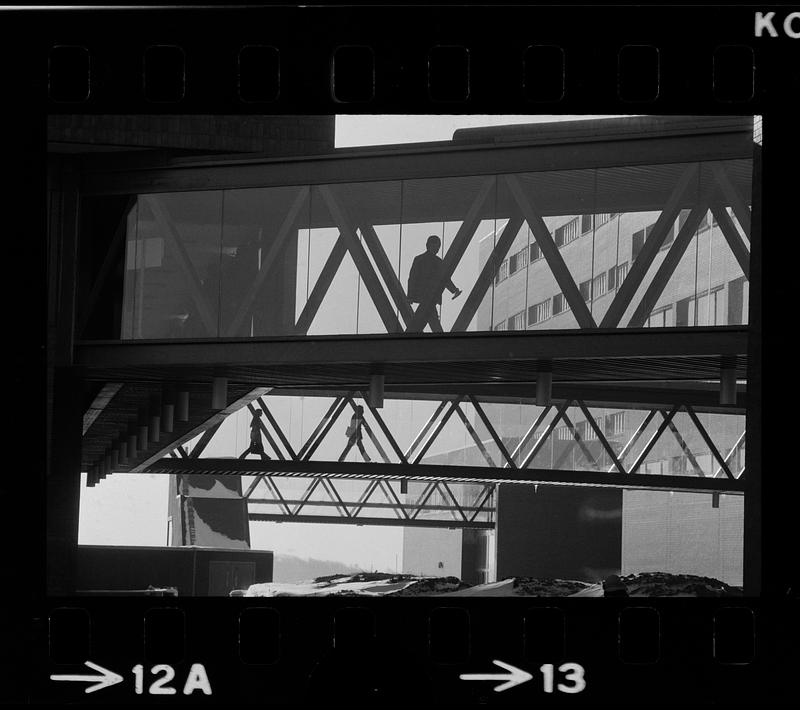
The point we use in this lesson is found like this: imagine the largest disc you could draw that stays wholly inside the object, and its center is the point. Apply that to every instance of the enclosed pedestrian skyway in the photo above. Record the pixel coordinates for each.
(601, 338)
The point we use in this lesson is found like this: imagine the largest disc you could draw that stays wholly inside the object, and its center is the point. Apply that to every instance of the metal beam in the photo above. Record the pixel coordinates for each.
(385, 429)
(425, 428)
(386, 270)
(371, 281)
(735, 242)
(339, 520)
(277, 428)
(434, 472)
(551, 254)
(528, 434)
(206, 437)
(419, 348)
(268, 261)
(635, 436)
(696, 139)
(214, 419)
(668, 265)
(378, 506)
(437, 429)
(545, 434)
(326, 424)
(601, 436)
(475, 438)
(452, 258)
(653, 439)
(484, 280)
(731, 453)
(734, 198)
(686, 450)
(497, 440)
(652, 244)
(323, 283)
(184, 262)
(712, 447)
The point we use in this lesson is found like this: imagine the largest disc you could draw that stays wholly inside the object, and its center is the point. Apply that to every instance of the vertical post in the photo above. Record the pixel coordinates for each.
(544, 385)
(63, 482)
(727, 381)
(182, 406)
(376, 383)
(219, 393)
(752, 543)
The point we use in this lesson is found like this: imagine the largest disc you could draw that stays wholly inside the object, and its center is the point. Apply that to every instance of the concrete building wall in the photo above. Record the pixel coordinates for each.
(683, 533)
(425, 549)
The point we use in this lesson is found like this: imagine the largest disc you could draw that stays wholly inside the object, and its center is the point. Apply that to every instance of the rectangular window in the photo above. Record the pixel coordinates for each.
(535, 252)
(599, 285)
(539, 312)
(560, 304)
(616, 275)
(604, 218)
(585, 287)
(586, 223)
(502, 272)
(660, 318)
(567, 232)
(518, 261)
(586, 431)
(517, 321)
(615, 424)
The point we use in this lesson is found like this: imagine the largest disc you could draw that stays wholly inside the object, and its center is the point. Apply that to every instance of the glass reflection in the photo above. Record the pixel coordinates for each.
(635, 246)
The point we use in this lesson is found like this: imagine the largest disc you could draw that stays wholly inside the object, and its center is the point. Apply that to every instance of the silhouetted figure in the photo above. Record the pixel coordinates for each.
(353, 433)
(256, 446)
(426, 269)
(613, 586)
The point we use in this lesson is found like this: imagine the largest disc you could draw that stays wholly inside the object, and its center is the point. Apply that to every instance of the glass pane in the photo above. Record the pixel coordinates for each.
(176, 257)
(435, 236)
(261, 261)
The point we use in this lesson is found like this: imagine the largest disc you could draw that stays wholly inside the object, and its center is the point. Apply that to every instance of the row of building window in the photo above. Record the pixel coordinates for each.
(640, 236)
(589, 289)
(563, 235)
(610, 425)
(579, 226)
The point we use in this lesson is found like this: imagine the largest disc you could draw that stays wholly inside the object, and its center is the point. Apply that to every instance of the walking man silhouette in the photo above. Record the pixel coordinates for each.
(426, 270)
(256, 445)
(353, 434)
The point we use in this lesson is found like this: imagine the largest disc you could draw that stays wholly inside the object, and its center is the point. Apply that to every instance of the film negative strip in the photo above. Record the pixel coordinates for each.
(402, 353)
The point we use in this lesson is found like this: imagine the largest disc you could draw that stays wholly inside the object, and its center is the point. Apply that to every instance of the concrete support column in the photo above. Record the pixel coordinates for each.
(64, 482)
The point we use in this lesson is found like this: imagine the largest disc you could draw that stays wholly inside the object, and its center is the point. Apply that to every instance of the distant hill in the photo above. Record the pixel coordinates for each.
(291, 569)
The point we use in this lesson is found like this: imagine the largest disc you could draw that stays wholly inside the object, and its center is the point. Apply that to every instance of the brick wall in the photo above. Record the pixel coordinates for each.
(274, 135)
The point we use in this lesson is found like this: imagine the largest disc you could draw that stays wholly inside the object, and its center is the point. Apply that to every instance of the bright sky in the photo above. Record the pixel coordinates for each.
(131, 509)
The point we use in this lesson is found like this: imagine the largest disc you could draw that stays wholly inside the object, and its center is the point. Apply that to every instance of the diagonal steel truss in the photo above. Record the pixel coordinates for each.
(357, 237)
(521, 458)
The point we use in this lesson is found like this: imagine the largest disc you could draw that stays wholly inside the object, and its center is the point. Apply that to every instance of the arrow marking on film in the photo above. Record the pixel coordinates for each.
(515, 676)
(104, 680)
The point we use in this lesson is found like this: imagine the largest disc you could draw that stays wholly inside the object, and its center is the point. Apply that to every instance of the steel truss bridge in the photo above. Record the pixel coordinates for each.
(663, 373)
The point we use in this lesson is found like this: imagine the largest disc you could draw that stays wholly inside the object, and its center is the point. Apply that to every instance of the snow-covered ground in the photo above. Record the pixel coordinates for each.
(654, 584)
